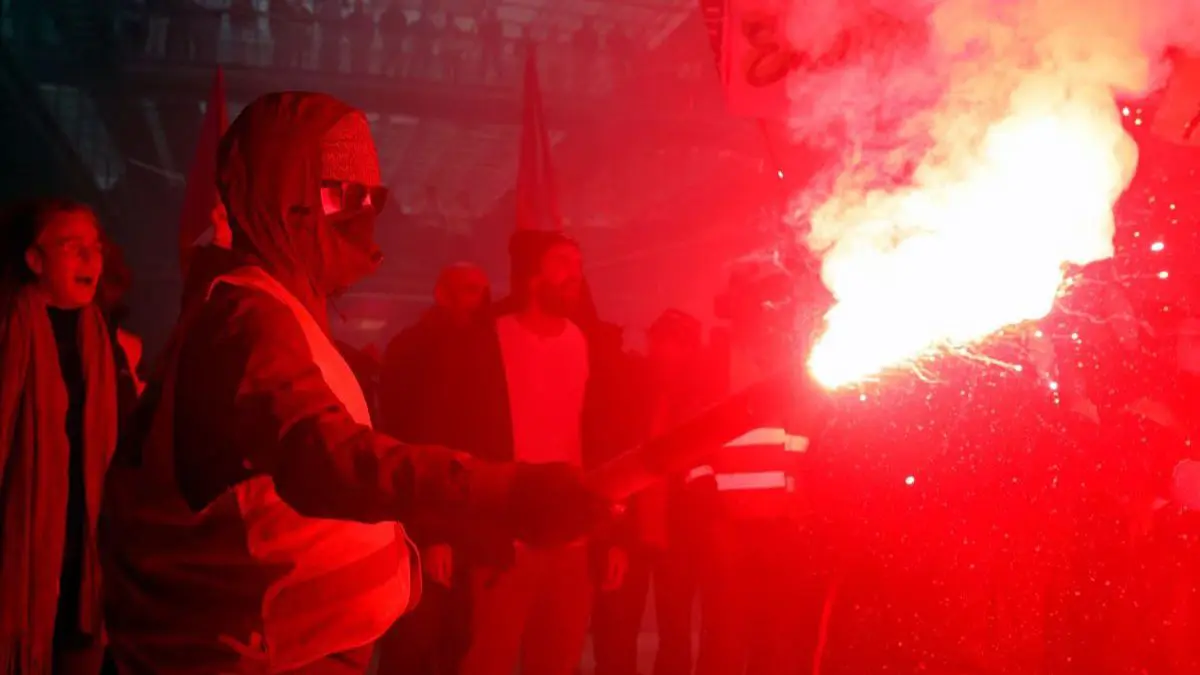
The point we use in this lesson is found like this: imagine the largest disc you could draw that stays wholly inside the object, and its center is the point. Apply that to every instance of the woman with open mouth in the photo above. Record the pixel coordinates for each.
(58, 430)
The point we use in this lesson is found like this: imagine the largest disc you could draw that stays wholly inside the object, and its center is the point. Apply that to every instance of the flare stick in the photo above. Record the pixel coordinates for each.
(684, 447)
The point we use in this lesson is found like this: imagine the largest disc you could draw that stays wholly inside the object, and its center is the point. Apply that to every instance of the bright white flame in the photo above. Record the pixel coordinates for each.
(1000, 119)
(982, 242)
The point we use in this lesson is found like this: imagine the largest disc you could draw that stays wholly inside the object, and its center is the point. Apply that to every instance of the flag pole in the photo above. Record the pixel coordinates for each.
(200, 199)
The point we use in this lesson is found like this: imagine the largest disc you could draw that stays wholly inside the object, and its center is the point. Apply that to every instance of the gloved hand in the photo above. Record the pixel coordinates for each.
(551, 504)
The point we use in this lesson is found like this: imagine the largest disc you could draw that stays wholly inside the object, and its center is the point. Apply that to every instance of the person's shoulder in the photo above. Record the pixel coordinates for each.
(250, 314)
(413, 337)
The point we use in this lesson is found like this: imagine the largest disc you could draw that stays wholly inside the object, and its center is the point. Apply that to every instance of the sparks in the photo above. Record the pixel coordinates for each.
(1026, 156)
(989, 251)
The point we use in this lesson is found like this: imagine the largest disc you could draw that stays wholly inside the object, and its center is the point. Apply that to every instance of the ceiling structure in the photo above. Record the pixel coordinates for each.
(616, 179)
(648, 22)
(471, 166)
(467, 167)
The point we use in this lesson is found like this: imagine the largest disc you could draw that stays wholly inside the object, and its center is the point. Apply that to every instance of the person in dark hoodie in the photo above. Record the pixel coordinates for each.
(58, 430)
(423, 361)
(251, 513)
(670, 519)
(425, 366)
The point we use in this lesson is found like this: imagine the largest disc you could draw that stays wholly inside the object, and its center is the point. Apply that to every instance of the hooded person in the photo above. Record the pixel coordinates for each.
(426, 368)
(421, 363)
(251, 513)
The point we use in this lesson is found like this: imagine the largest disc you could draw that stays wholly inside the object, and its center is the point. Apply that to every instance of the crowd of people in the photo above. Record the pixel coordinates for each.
(263, 500)
(269, 500)
(354, 36)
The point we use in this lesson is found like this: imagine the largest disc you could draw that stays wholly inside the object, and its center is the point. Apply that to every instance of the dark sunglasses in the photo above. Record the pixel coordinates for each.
(354, 196)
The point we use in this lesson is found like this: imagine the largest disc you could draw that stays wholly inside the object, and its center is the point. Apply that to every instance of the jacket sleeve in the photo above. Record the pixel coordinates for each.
(280, 418)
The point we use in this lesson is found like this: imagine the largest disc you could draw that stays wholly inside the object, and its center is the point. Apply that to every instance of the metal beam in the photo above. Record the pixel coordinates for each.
(419, 98)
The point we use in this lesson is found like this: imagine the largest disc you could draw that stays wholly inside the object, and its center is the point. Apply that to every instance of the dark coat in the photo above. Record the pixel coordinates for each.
(453, 392)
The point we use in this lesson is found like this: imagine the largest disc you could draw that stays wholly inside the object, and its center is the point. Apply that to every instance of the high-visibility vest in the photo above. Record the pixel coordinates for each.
(755, 474)
(247, 584)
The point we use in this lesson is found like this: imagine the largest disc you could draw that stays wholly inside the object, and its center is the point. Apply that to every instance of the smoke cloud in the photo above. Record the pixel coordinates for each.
(980, 150)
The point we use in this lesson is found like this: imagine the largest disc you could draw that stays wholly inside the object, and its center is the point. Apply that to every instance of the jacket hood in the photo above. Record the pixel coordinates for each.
(206, 264)
(269, 175)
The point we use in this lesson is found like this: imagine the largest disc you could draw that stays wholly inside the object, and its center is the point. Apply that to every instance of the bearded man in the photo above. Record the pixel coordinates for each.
(543, 393)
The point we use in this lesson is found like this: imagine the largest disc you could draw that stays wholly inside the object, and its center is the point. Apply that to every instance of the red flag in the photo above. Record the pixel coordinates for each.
(200, 200)
(753, 57)
(756, 60)
(536, 193)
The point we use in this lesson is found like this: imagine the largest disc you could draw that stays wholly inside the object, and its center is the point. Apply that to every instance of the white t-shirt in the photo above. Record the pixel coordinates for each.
(547, 378)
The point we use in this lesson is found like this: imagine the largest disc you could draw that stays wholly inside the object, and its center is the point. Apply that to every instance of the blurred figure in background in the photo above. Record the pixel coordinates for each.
(423, 35)
(360, 26)
(180, 16)
(669, 519)
(394, 27)
(58, 431)
(760, 589)
(424, 362)
(204, 29)
(490, 32)
(158, 17)
(290, 22)
(425, 366)
(243, 28)
(455, 44)
(332, 30)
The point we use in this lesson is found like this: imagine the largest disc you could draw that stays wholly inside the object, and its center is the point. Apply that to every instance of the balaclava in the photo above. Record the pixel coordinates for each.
(348, 155)
(272, 163)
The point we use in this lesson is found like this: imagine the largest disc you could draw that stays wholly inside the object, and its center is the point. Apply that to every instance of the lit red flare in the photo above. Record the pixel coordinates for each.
(1008, 115)
(973, 247)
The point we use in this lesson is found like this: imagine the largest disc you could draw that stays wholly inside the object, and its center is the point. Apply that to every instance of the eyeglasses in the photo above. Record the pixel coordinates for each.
(354, 196)
(79, 249)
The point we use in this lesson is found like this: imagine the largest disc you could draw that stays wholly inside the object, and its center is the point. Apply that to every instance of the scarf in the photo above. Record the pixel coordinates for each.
(34, 456)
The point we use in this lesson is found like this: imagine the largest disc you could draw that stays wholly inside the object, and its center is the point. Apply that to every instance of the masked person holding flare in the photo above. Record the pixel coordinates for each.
(251, 515)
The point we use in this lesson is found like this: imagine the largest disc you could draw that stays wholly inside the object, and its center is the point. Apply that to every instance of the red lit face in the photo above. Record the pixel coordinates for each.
(559, 285)
(68, 258)
(462, 291)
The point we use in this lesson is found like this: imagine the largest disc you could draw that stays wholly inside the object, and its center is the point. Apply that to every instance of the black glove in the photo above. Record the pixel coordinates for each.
(551, 504)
